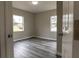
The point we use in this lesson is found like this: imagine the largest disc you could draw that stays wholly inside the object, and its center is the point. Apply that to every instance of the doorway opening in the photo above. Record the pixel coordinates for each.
(34, 29)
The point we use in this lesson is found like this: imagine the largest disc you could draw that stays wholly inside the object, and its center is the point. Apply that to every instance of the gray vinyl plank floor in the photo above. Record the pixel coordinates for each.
(35, 48)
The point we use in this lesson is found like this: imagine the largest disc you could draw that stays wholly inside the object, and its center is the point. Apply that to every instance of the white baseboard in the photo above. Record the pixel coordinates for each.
(22, 38)
(45, 38)
(34, 36)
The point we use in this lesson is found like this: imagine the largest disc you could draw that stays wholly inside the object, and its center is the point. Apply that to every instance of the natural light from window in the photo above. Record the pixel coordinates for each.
(53, 23)
(18, 23)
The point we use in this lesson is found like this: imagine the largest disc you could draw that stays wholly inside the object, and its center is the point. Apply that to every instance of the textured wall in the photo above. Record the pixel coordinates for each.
(76, 41)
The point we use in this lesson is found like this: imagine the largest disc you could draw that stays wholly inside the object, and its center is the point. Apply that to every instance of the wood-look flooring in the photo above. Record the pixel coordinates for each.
(35, 48)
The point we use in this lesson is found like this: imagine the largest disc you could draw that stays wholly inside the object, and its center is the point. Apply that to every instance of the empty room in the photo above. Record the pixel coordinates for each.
(34, 29)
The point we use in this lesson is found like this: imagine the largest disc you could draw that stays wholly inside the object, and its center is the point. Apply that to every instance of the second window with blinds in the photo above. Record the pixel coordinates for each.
(53, 23)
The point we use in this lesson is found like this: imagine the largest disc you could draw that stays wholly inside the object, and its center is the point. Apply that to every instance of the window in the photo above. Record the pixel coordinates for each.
(18, 23)
(53, 23)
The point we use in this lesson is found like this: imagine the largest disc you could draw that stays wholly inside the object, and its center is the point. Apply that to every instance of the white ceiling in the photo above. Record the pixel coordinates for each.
(28, 6)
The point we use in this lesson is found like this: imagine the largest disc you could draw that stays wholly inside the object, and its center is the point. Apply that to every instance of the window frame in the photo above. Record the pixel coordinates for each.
(55, 23)
(19, 23)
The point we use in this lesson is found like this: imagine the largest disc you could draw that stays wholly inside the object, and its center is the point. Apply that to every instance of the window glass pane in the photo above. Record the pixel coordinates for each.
(53, 21)
(18, 23)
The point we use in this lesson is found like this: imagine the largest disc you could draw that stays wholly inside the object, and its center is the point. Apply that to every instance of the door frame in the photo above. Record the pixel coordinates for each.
(2, 31)
(6, 29)
(59, 28)
(6, 13)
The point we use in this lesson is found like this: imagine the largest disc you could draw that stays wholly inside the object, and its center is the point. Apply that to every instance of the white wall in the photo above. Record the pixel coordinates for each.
(42, 24)
(35, 25)
(76, 42)
(28, 24)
